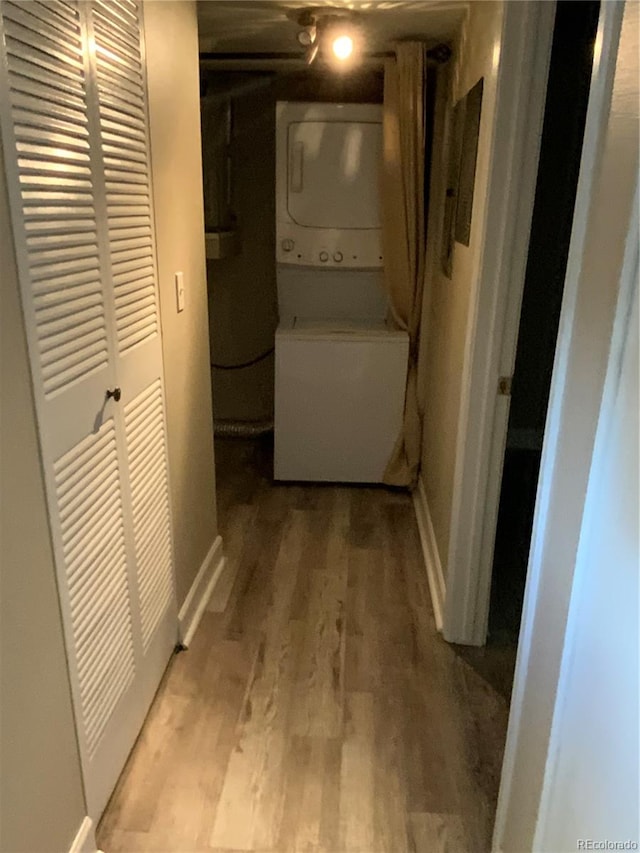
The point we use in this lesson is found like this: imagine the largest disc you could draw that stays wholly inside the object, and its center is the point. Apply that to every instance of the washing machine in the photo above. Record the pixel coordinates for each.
(341, 366)
(339, 399)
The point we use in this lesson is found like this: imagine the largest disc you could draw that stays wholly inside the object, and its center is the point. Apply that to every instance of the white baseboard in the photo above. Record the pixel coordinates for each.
(432, 562)
(200, 592)
(85, 840)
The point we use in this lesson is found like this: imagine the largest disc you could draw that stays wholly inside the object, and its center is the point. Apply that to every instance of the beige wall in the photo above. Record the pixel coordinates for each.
(41, 796)
(174, 109)
(448, 302)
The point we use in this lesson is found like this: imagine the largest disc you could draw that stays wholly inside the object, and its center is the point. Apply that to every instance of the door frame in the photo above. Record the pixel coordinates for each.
(571, 449)
(490, 345)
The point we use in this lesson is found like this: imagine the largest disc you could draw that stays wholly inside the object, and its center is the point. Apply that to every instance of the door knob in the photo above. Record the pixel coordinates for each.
(116, 394)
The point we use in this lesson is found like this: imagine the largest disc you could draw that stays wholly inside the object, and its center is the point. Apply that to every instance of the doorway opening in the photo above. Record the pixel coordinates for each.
(561, 146)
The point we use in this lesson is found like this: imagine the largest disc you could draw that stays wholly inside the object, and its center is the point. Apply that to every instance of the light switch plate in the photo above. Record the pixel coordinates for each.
(180, 291)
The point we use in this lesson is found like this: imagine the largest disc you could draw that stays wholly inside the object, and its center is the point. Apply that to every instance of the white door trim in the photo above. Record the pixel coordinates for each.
(543, 563)
(85, 840)
(620, 342)
(493, 328)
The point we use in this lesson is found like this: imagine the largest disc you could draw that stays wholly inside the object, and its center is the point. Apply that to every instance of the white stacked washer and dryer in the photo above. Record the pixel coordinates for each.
(341, 365)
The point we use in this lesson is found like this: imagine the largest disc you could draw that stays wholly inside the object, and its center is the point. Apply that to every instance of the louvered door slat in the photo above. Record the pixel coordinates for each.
(64, 65)
(60, 285)
(44, 63)
(66, 12)
(115, 42)
(56, 242)
(114, 129)
(39, 109)
(61, 347)
(115, 119)
(42, 17)
(95, 501)
(120, 76)
(65, 313)
(146, 451)
(120, 19)
(118, 177)
(53, 123)
(127, 250)
(113, 82)
(42, 269)
(129, 284)
(85, 509)
(32, 74)
(57, 337)
(62, 250)
(108, 589)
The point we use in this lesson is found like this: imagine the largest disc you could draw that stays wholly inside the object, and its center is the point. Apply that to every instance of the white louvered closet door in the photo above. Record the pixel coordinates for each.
(75, 143)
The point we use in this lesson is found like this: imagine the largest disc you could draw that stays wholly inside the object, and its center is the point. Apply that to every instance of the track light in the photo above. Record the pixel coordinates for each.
(343, 44)
(307, 36)
(330, 33)
(342, 47)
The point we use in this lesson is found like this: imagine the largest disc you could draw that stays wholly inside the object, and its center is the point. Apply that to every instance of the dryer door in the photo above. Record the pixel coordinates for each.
(333, 174)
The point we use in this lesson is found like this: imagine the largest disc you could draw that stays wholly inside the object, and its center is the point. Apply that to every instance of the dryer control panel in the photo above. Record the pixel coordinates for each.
(331, 248)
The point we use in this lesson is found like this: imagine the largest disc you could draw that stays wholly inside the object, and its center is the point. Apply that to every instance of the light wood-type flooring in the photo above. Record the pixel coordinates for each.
(320, 711)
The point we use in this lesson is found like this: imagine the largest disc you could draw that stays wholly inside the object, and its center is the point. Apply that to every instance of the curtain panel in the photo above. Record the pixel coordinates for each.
(403, 231)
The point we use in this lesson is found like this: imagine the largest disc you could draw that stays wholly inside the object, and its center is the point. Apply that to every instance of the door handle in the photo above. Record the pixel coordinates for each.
(116, 393)
(296, 181)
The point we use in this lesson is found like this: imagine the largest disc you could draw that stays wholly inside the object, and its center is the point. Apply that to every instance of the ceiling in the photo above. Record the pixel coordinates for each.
(269, 26)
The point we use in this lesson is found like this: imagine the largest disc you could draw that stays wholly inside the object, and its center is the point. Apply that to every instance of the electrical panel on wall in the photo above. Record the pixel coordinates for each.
(328, 162)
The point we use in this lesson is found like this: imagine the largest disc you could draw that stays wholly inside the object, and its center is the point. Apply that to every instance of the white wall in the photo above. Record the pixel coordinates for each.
(602, 224)
(41, 794)
(176, 160)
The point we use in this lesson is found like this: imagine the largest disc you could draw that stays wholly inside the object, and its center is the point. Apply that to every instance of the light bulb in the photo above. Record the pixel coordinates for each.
(342, 47)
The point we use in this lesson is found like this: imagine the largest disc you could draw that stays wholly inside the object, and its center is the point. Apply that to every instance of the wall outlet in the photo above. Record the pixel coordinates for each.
(180, 291)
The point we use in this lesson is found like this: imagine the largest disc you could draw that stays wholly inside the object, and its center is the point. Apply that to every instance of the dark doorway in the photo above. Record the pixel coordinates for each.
(563, 130)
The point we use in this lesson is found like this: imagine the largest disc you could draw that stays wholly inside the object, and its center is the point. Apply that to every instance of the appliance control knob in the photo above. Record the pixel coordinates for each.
(324, 257)
(287, 245)
(338, 257)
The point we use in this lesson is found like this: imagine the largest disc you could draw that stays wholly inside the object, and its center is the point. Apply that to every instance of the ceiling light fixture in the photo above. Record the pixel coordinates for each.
(342, 47)
(330, 33)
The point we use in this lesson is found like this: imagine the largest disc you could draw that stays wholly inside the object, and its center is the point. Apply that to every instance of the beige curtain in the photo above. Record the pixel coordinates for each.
(403, 231)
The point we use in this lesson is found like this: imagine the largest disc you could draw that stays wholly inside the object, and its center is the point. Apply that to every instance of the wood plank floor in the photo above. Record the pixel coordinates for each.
(320, 711)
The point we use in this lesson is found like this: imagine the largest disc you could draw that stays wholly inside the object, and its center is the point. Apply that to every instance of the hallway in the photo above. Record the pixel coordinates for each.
(320, 711)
